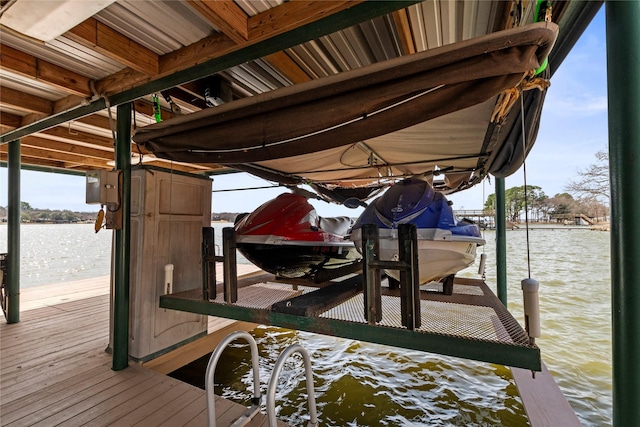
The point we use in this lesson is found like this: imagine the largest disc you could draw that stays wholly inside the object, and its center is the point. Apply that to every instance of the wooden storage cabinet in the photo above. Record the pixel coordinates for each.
(168, 211)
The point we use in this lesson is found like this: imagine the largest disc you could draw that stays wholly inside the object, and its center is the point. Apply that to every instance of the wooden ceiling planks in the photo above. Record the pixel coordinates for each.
(140, 65)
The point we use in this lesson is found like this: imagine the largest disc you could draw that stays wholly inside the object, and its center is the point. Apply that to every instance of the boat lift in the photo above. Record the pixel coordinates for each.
(468, 321)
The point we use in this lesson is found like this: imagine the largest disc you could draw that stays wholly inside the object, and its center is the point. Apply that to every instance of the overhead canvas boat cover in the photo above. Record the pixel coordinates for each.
(397, 117)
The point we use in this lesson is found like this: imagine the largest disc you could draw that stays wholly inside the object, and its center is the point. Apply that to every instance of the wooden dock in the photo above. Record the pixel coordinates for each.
(54, 369)
(543, 400)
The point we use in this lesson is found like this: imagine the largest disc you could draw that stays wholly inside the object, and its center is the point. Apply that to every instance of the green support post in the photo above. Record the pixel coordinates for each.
(13, 233)
(122, 238)
(623, 63)
(501, 241)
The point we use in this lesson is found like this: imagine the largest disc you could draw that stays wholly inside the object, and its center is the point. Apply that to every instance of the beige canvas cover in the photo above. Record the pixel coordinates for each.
(392, 119)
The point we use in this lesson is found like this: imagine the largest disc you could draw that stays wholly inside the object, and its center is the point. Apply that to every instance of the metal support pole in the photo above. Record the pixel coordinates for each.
(230, 267)
(122, 242)
(501, 241)
(409, 278)
(208, 263)
(13, 233)
(623, 61)
(372, 288)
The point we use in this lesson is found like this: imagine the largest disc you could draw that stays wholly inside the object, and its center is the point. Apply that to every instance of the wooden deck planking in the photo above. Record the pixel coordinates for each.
(49, 372)
(57, 293)
(54, 370)
(54, 393)
(169, 401)
(543, 401)
(133, 391)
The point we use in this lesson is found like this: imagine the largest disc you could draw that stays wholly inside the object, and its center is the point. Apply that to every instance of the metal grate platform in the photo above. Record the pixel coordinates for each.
(471, 323)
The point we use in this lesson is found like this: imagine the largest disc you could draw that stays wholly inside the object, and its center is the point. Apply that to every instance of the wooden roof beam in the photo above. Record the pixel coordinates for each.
(25, 102)
(227, 16)
(270, 23)
(96, 35)
(63, 134)
(9, 121)
(234, 23)
(95, 120)
(85, 138)
(41, 142)
(40, 153)
(401, 19)
(213, 54)
(282, 62)
(33, 161)
(290, 15)
(187, 97)
(66, 147)
(27, 65)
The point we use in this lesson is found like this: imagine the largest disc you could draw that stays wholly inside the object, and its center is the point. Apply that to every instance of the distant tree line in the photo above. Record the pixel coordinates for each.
(542, 208)
(31, 214)
(587, 195)
(224, 216)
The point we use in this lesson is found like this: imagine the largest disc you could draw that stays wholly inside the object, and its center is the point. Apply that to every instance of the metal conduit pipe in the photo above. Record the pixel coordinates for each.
(211, 368)
(273, 383)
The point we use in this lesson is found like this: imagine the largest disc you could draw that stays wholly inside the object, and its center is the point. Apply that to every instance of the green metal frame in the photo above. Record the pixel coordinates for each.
(354, 15)
(13, 234)
(522, 357)
(501, 241)
(623, 63)
(122, 242)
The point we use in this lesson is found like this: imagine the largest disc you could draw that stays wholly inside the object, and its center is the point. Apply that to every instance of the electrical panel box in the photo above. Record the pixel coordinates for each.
(102, 187)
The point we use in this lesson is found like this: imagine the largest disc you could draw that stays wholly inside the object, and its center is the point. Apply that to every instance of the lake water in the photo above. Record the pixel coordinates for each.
(362, 384)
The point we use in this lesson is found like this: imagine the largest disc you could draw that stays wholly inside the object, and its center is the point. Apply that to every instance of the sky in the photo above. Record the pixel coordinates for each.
(572, 129)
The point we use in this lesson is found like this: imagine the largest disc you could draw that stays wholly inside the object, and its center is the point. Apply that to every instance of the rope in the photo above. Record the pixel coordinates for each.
(524, 169)
(483, 255)
(170, 211)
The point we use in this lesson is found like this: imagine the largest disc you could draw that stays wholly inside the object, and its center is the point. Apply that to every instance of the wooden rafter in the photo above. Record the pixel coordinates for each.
(270, 23)
(401, 19)
(226, 15)
(96, 35)
(24, 102)
(9, 121)
(66, 147)
(283, 63)
(45, 154)
(142, 66)
(34, 161)
(85, 138)
(41, 70)
(95, 120)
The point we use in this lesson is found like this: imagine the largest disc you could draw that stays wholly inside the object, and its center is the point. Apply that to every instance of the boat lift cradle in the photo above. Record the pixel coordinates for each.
(471, 323)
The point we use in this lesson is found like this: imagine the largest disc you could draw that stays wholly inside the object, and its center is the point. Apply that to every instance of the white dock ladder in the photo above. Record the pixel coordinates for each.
(273, 383)
(211, 368)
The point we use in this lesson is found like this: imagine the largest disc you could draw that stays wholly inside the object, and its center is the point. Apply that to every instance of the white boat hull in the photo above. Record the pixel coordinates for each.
(440, 253)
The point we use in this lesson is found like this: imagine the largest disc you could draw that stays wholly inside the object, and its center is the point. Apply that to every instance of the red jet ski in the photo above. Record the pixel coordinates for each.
(286, 237)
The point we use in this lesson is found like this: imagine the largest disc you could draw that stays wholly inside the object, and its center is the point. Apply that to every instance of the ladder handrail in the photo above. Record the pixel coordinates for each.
(213, 362)
(273, 383)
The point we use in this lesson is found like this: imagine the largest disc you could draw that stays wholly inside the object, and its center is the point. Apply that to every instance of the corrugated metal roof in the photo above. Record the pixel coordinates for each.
(30, 86)
(182, 38)
(157, 25)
